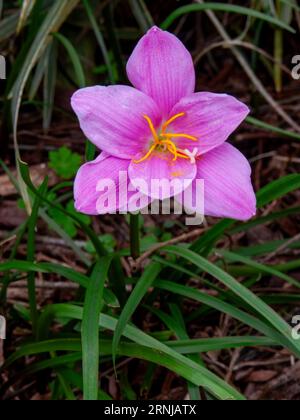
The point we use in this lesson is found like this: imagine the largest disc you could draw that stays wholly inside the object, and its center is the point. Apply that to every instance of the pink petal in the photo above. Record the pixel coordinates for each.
(228, 191)
(113, 118)
(162, 67)
(94, 176)
(209, 117)
(160, 177)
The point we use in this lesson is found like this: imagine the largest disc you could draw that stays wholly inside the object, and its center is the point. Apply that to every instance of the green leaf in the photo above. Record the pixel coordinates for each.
(100, 39)
(188, 346)
(176, 324)
(63, 221)
(203, 345)
(26, 266)
(66, 237)
(267, 247)
(49, 84)
(173, 361)
(261, 268)
(83, 217)
(274, 129)
(266, 195)
(265, 219)
(144, 19)
(74, 57)
(277, 189)
(56, 16)
(147, 242)
(107, 240)
(242, 292)
(243, 270)
(8, 26)
(89, 232)
(32, 223)
(27, 7)
(66, 272)
(64, 162)
(132, 303)
(90, 329)
(224, 7)
(206, 241)
(154, 351)
(223, 307)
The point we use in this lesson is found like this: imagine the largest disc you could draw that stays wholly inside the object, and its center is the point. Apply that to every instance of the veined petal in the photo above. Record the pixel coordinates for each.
(209, 117)
(113, 118)
(103, 186)
(160, 177)
(228, 191)
(162, 67)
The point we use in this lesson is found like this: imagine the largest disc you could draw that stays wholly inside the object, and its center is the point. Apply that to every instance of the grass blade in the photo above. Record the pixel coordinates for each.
(59, 11)
(246, 295)
(8, 26)
(78, 69)
(90, 329)
(266, 195)
(261, 268)
(144, 20)
(277, 189)
(32, 223)
(201, 345)
(89, 232)
(228, 8)
(27, 7)
(224, 307)
(49, 84)
(157, 352)
(100, 39)
(135, 298)
(268, 127)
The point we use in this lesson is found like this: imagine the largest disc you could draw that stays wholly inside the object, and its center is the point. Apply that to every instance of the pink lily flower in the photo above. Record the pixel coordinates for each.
(161, 129)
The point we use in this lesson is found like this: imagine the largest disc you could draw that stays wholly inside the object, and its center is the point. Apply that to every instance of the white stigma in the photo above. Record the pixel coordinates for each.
(192, 155)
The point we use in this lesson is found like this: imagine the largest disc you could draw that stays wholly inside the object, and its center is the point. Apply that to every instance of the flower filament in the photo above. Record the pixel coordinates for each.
(163, 141)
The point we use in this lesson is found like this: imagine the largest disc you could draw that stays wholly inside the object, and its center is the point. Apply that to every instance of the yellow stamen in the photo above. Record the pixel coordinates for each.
(153, 131)
(147, 155)
(176, 135)
(171, 147)
(179, 154)
(167, 123)
(165, 141)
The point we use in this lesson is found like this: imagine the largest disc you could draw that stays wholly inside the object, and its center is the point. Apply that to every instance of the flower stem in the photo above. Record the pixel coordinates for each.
(135, 235)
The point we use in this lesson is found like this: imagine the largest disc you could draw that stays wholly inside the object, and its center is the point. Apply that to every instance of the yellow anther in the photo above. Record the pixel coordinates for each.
(167, 123)
(153, 131)
(176, 135)
(171, 147)
(147, 155)
(165, 141)
(181, 155)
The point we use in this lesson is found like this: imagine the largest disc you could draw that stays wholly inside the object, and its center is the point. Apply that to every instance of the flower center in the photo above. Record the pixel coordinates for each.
(163, 142)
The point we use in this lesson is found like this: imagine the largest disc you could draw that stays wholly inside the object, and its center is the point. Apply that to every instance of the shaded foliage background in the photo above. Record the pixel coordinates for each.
(205, 313)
